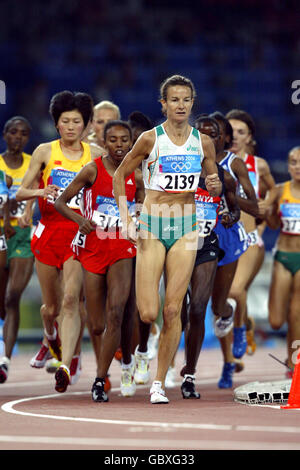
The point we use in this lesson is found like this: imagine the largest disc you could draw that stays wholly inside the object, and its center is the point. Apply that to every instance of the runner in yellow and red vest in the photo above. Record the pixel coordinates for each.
(56, 164)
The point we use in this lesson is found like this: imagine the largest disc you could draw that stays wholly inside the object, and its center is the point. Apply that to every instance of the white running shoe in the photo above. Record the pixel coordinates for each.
(153, 343)
(222, 326)
(52, 365)
(170, 378)
(157, 394)
(128, 386)
(75, 369)
(42, 356)
(142, 373)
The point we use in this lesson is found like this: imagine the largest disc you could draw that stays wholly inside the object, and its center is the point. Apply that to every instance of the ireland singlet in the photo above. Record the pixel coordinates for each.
(173, 168)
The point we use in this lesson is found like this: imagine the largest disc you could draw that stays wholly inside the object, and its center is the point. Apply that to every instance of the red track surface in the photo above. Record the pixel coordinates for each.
(40, 418)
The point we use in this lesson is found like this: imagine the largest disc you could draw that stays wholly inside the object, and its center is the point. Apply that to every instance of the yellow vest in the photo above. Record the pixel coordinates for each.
(17, 175)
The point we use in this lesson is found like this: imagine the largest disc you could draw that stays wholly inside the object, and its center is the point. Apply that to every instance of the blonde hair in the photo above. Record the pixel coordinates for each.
(105, 104)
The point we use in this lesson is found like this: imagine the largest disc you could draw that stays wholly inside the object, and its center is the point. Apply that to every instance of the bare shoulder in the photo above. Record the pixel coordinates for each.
(96, 151)
(279, 188)
(42, 153)
(143, 146)
(147, 137)
(262, 165)
(43, 149)
(205, 140)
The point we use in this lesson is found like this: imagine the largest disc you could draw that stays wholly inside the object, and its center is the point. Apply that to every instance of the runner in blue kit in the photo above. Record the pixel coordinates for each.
(233, 241)
(208, 254)
(251, 261)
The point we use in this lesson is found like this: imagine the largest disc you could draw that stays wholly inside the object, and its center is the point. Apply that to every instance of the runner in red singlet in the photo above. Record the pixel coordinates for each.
(107, 258)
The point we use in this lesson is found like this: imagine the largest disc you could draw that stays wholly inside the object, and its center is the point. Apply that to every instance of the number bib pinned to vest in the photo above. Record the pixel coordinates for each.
(62, 178)
(290, 218)
(179, 173)
(107, 214)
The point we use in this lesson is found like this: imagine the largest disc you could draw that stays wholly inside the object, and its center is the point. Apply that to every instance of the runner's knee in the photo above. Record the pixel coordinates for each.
(197, 313)
(115, 317)
(49, 310)
(70, 303)
(275, 321)
(148, 314)
(171, 311)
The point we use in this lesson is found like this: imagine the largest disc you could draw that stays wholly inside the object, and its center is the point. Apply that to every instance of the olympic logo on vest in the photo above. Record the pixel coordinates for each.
(291, 213)
(180, 166)
(201, 212)
(65, 182)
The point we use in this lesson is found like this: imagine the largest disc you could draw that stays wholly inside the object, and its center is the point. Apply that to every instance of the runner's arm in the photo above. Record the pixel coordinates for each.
(231, 217)
(248, 204)
(85, 177)
(37, 162)
(272, 217)
(212, 181)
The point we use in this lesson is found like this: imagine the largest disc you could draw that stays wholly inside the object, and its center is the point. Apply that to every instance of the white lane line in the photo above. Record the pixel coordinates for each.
(9, 408)
(108, 443)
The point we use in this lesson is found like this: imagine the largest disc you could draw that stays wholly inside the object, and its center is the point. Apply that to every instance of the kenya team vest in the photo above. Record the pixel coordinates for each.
(207, 207)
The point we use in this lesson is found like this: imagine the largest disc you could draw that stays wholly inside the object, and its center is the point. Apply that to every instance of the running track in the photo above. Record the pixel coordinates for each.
(34, 417)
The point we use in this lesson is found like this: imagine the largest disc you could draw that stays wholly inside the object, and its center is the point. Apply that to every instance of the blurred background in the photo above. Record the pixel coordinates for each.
(239, 54)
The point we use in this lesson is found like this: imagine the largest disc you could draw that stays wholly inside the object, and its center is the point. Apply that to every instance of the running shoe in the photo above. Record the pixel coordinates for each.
(239, 341)
(52, 365)
(188, 387)
(157, 394)
(227, 373)
(55, 345)
(62, 377)
(75, 369)
(107, 384)
(42, 356)
(98, 392)
(142, 373)
(3, 372)
(170, 378)
(128, 386)
(152, 344)
(222, 325)
(118, 354)
(250, 331)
